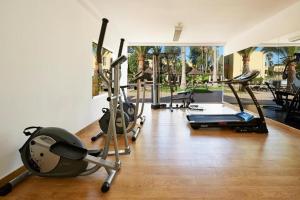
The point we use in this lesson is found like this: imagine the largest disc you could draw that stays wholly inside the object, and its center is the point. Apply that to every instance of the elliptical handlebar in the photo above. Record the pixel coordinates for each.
(121, 47)
(121, 59)
(101, 39)
(99, 51)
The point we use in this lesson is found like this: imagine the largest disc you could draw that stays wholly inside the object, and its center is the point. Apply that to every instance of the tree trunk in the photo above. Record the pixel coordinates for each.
(202, 57)
(215, 67)
(183, 73)
(291, 74)
(141, 60)
(206, 62)
(246, 60)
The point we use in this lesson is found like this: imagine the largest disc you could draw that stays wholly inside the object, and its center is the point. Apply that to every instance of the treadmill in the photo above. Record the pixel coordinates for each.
(241, 121)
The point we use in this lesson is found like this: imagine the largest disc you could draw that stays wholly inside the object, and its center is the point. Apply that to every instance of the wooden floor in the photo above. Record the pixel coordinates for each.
(170, 161)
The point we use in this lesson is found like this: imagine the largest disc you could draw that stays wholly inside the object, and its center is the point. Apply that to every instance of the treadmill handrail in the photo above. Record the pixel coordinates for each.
(245, 77)
(242, 78)
(258, 108)
(236, 96)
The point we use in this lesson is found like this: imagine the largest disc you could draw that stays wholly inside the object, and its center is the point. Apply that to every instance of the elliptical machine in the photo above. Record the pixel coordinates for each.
(55, 152)
(129, 107)
(112, 78)
(140, 79)
(128, 113)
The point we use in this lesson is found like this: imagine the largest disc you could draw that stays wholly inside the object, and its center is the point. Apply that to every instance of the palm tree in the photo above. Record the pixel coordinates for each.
(173, 54)
(154, 52)
(197, 57)
(183, 71)
(284, 52)
(132, 64)
(194, 54)
(209, 53)
(156, 49)
(215, 64)
(246, 53)
(269, 57)
(141, 52)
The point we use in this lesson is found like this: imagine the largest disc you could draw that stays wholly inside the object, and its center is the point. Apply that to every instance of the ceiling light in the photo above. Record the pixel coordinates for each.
(177, 33)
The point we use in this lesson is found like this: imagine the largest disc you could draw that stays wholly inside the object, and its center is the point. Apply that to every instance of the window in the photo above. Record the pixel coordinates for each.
(97, 84)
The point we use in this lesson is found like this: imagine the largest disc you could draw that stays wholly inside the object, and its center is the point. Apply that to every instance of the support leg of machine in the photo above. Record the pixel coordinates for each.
(136, 134)
(124, 151)
(142, 120)
(107, 183)
(7, 188)
(96, 137)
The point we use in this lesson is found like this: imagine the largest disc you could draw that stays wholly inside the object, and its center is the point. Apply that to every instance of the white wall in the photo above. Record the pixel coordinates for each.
(284, 22)
(46, 73)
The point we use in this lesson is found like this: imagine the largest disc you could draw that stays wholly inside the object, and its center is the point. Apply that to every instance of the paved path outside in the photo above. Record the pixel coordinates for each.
(264, 98)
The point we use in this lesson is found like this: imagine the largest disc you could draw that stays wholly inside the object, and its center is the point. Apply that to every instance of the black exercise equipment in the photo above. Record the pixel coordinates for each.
(185, 97)
(282, 96)
(104, 121)
(156, 104)
(289, 60)
(128, 107)
(293, 111)
(277, 98)
(242, 121)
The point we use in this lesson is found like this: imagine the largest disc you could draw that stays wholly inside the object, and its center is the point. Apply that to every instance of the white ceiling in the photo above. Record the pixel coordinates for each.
(204, 21)
(283, 40)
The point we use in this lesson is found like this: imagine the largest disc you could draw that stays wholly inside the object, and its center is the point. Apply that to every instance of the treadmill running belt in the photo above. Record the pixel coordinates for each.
(213, 118)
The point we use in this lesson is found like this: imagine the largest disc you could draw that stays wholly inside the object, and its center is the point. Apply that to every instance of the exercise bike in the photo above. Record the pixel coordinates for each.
(55, 152)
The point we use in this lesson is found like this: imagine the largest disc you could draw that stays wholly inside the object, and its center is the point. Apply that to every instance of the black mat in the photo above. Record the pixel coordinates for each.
(275, 115)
